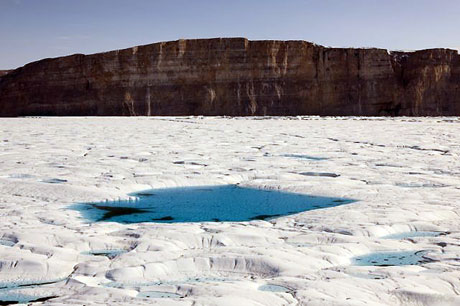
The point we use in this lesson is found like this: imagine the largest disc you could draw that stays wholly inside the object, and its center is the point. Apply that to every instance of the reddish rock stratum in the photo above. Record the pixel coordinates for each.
(237, 77)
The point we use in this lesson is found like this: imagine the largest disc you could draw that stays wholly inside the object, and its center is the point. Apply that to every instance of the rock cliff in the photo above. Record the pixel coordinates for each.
(237, 77)
(3, 72)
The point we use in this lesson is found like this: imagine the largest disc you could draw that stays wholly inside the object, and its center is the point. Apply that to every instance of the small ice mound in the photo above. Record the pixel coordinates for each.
(273, 288)
(107, 253)
(412, 234)
(195, 269)
(413, 297)
(158, 295)
(303, 156)
(383, 259)
(227, 203)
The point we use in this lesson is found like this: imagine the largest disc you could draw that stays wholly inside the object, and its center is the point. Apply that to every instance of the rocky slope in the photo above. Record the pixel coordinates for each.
(3, 72)
(238, 77)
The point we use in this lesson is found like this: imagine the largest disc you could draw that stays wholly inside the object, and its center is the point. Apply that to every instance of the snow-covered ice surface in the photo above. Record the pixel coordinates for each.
(403, 172)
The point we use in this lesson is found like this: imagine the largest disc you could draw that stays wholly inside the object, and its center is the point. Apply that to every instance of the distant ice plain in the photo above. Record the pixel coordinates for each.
(404, 172)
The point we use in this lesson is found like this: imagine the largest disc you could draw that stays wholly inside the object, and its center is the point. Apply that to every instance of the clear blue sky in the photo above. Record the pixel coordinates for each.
(34, 29)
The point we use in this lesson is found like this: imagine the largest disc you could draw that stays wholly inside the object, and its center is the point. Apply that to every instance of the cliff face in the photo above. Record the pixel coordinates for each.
(3, 72)
(237, 77)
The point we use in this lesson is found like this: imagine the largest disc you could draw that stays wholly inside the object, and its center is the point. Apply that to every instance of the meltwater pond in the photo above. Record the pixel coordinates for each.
(10, 298)
(205, 204)
(401, 258)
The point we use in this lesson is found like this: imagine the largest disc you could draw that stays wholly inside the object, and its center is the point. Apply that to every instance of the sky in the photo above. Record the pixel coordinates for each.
(35, 29)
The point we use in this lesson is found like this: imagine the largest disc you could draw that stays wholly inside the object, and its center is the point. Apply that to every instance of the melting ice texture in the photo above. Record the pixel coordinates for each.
(157, 294)
(16, 292)
(412, 234)
(205, 204)
(7, 298)
(15, 297)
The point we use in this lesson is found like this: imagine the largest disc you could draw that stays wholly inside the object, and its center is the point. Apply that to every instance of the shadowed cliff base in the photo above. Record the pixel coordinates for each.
(237, 77)
(3, 72)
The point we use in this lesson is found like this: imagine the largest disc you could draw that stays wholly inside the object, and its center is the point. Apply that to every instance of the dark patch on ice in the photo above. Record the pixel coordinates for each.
(54, 181)
(145, 194)
(424, 149)
(388, 165)
(17, 298)
(229, 203)
(292, 135)
(44, 299)
(166, 218)
(368, 275)
(421, 185)
(111, 254)
(303, 156)
(369, 143)
(181, 162)
(158, 295)
(117, 211)
(299, 244)
(384, 259)
(266, 217)
(324, 174)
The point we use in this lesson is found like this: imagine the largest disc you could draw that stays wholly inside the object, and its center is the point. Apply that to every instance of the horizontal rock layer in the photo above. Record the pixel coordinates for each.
(237, 77)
